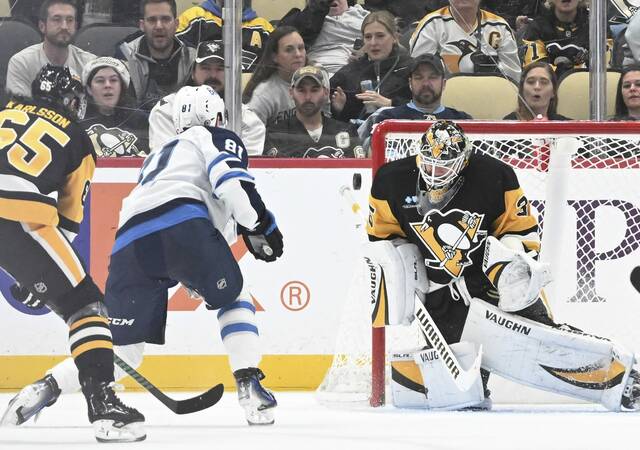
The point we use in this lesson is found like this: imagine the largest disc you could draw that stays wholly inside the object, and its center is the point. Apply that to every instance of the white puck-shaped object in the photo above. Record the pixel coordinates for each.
(267, 250)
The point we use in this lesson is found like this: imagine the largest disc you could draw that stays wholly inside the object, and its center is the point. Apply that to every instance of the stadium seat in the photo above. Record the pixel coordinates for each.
(573, 94)
(273, 10)
(101, 38)
(16, 35)
(488, 97)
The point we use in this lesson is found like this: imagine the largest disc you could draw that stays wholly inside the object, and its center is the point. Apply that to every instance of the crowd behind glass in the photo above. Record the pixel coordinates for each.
(319, 79)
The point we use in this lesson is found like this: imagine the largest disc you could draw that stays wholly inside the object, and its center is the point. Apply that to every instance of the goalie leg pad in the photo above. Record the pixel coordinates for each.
(556, 359)
(396, 272)
(419, 379)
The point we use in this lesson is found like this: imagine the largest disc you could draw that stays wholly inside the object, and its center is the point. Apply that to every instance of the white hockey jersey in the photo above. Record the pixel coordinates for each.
(161, 126)
(207, 165)
(438, 32)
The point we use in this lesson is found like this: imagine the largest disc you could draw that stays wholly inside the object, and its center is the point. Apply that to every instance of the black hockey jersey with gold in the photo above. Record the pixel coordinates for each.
(43, 151)
(452, 240)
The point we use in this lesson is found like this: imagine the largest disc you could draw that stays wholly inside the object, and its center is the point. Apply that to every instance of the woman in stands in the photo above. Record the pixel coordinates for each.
(113, 124)
(537, 94)
(379, 78)
(267, 92)
(628, 94)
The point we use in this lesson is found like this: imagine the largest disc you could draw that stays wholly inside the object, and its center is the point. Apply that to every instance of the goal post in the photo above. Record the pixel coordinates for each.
(583, 181)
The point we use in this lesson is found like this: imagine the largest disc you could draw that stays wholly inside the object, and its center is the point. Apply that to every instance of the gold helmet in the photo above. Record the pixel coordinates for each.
(444, 153)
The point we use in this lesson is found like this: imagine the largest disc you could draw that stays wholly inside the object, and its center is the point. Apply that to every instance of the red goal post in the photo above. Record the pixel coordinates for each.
(583, 180)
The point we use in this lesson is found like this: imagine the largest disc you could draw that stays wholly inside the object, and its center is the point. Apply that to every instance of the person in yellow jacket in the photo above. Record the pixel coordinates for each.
(204, 23)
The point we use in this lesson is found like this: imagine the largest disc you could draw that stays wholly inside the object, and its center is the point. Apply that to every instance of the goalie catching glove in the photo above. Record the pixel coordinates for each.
(24, 296)
(265, 240)
(517, 276)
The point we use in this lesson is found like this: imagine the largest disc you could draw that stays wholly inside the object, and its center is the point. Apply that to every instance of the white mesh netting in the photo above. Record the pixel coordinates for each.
(584, 187)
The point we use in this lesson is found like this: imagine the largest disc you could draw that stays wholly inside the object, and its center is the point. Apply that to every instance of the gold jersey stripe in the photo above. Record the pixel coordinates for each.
(71, 198)
(382, 223)
(28, 211)
(66, 255)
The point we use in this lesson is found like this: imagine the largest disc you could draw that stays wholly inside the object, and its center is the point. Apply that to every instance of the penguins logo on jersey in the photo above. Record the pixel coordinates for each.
(450, 238)
(113, 141)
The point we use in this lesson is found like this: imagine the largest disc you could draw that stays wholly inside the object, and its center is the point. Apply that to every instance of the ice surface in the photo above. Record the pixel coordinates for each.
(303, 424)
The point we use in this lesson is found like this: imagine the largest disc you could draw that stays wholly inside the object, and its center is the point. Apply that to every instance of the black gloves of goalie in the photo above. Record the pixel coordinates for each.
(265, 240)
(24, 296)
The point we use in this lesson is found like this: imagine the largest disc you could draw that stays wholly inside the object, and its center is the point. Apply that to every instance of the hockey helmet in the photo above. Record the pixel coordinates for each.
(444, 152)
(198, 105)
(56, 85)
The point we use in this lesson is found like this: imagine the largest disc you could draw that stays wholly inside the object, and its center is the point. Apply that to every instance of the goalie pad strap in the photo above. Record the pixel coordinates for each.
(556, 359)
(396, 272)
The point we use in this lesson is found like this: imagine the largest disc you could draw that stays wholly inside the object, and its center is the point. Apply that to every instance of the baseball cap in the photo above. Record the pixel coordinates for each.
(434, 61)
(209, 49)
(316, 73)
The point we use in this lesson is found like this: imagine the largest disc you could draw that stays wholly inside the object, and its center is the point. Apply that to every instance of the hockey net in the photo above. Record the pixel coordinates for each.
(582, 179)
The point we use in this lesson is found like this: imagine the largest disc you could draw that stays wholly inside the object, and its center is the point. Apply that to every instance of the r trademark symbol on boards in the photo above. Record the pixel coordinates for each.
(295, 296)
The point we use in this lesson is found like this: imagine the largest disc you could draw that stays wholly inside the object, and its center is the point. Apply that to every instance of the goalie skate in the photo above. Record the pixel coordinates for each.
(258, 403)
(30, 401)
(631, 395)
(112, 420)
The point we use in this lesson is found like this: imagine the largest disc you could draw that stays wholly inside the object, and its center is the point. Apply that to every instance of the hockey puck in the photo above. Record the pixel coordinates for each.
(357, 181)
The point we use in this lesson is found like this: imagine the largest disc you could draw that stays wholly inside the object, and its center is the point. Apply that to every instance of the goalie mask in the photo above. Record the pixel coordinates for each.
(199, 105)
(444, 153)
(56, 85)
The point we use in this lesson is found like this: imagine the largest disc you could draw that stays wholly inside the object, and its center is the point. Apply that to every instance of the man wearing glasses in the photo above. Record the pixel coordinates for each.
(159, 63)
(57, 23)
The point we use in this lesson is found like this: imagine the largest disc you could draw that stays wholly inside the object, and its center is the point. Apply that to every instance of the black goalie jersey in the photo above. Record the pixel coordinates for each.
(43, 151)
(452, 239)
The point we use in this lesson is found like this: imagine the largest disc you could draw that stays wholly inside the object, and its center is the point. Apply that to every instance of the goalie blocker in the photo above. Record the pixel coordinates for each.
(559, 359)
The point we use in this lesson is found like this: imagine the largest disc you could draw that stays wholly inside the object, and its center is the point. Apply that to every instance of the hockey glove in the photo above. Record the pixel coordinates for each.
(265, 240)
(24, 296)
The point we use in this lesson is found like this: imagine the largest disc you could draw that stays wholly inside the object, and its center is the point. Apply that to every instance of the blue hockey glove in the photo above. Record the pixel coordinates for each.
(24, 296)
(265, 240)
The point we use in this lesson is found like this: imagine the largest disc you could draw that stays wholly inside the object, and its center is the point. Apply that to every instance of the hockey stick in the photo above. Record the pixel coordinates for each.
(186, 406)
(463, 379)
(635, 278)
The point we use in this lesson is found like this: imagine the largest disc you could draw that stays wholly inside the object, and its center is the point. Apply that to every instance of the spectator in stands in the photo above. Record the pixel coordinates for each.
(628, 94)
(427, 80)
(159, 63)
(208, 68)
(470, 40)
(58, 26)
(307, 133)
(517, 12)
(267, 92)
(537, 94)
(204, 23)
(329, 29)
(560, 36)
(115, 127)
(407, 12)
(377, 79)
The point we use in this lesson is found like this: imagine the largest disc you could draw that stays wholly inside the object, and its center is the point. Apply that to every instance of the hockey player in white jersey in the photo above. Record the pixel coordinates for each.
(177, 224)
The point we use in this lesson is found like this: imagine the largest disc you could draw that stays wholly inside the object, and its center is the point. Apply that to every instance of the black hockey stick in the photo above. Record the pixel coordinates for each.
(635, 278)
(186, 406)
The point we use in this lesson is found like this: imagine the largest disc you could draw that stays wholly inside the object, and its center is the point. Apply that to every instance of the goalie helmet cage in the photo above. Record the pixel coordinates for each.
(556, 164)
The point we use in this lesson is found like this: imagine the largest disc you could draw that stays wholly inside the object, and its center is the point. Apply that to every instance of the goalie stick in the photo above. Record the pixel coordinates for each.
(186, 406)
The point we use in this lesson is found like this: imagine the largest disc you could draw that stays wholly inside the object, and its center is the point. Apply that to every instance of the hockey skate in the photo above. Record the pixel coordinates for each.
(258, 403)
(112, 420)
(30, 401)
(631, 394)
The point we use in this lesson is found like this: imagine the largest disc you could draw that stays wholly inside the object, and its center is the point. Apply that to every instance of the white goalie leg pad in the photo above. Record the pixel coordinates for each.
(559, 360)
(518, 277)
(396, 272)
(239, 332)
(419, 379)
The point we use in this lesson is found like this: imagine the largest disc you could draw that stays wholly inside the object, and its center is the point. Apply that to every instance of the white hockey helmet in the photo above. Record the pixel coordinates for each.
(198, 105)
(444, 152)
